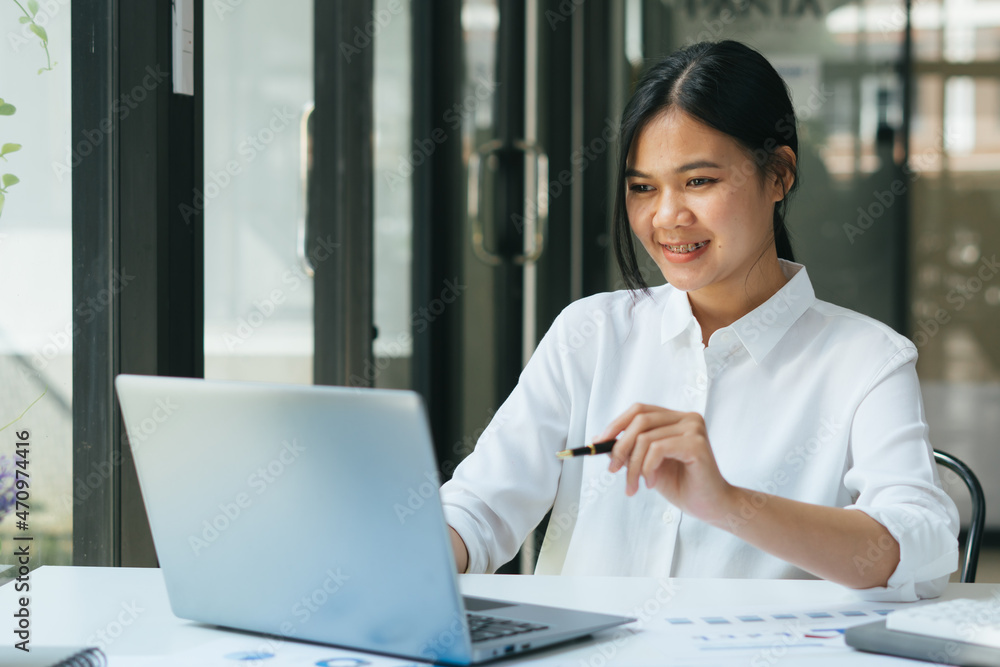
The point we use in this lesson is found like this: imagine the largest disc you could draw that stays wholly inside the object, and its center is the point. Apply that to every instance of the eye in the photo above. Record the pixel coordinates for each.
(640, 187)
(700, 181)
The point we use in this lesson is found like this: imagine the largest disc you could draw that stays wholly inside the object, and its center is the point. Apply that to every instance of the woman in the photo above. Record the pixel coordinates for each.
(776, 435)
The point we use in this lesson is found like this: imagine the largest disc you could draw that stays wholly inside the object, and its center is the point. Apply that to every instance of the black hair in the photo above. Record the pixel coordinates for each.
(727, 86)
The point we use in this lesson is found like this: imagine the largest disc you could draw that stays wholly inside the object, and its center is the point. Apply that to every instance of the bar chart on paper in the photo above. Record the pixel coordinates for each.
(769, 633)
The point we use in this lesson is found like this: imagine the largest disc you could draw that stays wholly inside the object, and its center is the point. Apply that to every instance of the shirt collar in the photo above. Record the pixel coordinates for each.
(760, 329)
(677, 316)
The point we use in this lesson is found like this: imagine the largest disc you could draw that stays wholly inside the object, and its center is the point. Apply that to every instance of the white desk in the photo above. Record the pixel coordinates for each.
(129, 607)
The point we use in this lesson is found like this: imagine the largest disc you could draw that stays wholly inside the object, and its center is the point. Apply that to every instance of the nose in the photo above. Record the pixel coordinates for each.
(671, 210)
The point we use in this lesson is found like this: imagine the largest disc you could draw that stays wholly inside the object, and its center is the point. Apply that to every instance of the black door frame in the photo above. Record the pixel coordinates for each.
(137, 252)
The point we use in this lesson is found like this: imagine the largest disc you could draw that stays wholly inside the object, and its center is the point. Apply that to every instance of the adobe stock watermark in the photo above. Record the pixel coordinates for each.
(580, 159)
(495, 420)
(381, 18)
(420, 319)
(120, 110)
(231, 511)
(434, 648)
(713, 28)
(115, 628)
(970, 630)
(795, 459)
(883, 200)
(248, 150)
(271, 303)
(562, 12)
(334, 580)
(223, 8)
(454, 117)
(957, 297)
(896, 20)
(788, 637)
(652, 607)
(47, 9)
(562, 523)
(138, 433)
(417, 497)
(697, 388)
(586, 329)
(877, 549)
(311, 603)
(87, 311)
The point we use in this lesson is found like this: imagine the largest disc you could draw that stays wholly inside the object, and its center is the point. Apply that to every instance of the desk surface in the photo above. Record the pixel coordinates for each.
(128, 609)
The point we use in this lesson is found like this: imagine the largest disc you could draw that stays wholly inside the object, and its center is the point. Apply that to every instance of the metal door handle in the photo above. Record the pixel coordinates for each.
(305, 176)
(479, 248)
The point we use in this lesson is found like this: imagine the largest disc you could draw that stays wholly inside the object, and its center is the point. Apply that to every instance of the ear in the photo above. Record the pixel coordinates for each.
(785, 177)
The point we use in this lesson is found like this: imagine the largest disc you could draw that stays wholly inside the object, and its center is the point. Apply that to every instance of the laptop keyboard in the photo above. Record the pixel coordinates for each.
(489, 627)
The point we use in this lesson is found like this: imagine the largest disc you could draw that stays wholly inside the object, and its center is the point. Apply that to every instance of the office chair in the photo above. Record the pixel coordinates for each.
(978, 521)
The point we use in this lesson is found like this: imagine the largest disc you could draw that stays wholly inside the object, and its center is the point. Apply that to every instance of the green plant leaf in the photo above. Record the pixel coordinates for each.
(33, 7)
(1, 202)
(6, 109)
(9, 148)
(10, 179)
(40, 31)
(24, 19)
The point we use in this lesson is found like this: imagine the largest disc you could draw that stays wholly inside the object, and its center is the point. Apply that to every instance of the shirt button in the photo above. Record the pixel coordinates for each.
(668, 516)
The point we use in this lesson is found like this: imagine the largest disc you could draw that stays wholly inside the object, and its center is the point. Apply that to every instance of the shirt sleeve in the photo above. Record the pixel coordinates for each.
(501, 491)
(894, 480)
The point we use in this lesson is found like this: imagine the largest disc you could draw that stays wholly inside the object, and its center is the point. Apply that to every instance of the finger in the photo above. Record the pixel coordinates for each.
(638, 420)
(640, 452)
(621, 422)
(618, 428)
(669, 447)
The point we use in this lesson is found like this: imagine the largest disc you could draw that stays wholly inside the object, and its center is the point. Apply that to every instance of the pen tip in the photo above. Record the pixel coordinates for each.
(564, 454)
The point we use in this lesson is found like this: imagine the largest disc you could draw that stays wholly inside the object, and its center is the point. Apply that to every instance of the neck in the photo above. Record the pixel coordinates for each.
(718, 306)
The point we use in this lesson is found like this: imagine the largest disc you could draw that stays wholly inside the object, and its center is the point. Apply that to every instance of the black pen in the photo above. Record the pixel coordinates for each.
(589, 450)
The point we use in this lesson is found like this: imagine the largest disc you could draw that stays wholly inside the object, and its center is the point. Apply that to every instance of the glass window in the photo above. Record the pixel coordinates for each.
(258, 285)
(396, 156)
(954, 283)
(36, 309)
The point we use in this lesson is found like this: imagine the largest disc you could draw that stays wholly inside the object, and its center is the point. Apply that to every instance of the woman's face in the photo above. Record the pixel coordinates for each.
(696, 202)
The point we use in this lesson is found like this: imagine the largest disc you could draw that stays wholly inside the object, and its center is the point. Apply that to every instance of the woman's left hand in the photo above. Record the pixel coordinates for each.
(670, 450)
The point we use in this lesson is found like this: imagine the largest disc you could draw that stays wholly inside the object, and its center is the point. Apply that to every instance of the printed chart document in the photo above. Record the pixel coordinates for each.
(764, 635)
(758, 636)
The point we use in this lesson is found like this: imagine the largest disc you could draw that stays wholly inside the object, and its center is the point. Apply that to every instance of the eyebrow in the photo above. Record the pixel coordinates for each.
(700, 164)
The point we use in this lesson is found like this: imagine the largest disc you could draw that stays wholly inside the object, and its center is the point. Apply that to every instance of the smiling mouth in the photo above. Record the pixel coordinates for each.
(685, 247)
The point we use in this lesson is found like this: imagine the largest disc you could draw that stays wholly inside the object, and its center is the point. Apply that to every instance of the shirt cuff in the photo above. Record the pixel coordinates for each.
(465, 525)
(928, 553)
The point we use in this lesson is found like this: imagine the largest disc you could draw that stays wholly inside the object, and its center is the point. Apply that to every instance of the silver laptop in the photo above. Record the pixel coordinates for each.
(313, 513)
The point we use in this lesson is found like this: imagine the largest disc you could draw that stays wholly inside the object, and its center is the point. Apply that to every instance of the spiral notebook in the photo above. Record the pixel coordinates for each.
(53, 656)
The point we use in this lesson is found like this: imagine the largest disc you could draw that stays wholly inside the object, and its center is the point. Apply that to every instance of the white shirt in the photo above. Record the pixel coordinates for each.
(801, 398)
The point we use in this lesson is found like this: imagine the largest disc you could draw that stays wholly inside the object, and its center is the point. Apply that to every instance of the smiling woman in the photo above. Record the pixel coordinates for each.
(728, 101)
(778, 435)
(702, 209)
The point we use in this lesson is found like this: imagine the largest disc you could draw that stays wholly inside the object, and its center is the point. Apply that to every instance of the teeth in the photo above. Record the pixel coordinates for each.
(687, 247)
